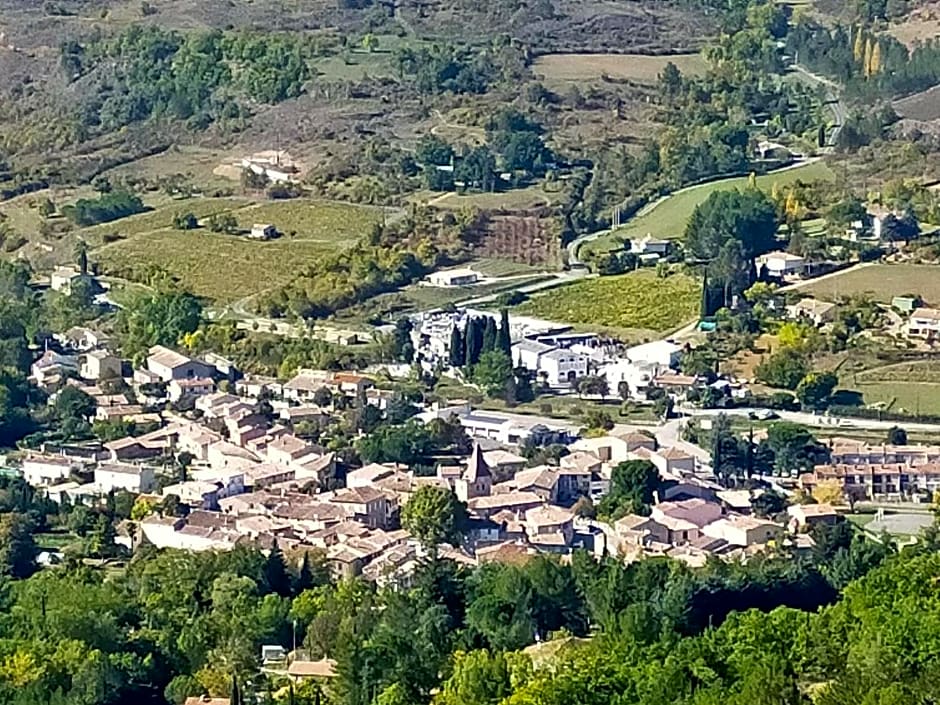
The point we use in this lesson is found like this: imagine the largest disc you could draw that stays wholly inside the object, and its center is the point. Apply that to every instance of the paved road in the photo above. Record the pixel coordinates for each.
(836, 106)
(822, 421)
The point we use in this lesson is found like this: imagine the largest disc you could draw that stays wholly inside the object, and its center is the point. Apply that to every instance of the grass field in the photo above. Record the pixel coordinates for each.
(529, 197)
(638, 67)
(668, 217)
(489, 267)
(882, 282)
(634, 305)
(573, 410)
(902, 397)
(222, 267)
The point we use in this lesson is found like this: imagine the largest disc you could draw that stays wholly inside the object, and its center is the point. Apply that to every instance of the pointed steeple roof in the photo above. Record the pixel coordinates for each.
(476, 466)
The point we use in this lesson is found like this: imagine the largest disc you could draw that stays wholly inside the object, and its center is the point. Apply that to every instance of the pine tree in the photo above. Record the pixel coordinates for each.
(504, 340)
(859, 50)
(866, 63)
(458, 349)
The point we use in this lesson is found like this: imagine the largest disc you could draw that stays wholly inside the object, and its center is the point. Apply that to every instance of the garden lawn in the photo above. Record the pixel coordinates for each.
(636, 305)
(667, 218)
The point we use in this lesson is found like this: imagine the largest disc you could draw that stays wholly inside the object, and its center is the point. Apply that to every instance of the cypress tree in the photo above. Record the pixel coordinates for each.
(504, 340)
(489, 335)
(468, 343)
(275, 572)
(236, 693)
(304, 576)
(458, 349)
(474, 335)
(705, 310)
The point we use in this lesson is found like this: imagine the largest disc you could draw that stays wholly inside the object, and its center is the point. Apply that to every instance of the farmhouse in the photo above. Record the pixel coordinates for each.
(781, 264)
(62, 278)
(262, 231)
(278, 166)
(818, 312)
(454, 277)
(649, 245)
(924, 323)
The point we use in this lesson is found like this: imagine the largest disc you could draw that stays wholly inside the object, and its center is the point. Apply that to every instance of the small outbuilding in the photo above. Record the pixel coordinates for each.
(454, 277)
(263, 231)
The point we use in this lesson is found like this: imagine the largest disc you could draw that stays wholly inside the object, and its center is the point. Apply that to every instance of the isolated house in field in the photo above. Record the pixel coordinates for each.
(454, 277)
(262, 231)
(649, 245)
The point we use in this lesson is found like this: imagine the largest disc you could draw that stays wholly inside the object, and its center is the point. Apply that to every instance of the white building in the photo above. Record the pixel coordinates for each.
(100, 364)
(123, 476)
(44, 470)
(195, 493)
(454, 277)
(781, 264)
(924, 323)
(558, 366)
(168, 364)
(191, 387)
(649, 245)
(638, 377)
(62, 278)
(743, 530)
(263, 231)
(660, 353)
(53, 367)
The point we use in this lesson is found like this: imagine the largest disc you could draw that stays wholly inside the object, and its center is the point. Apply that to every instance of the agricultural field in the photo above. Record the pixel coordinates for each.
(881, 281)
(223, 267)
(667, 217)
(637, 305)
(567, 68)
(923, 106)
